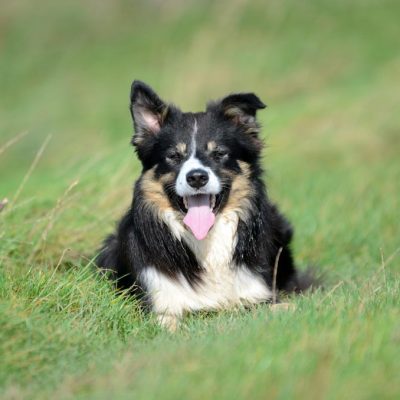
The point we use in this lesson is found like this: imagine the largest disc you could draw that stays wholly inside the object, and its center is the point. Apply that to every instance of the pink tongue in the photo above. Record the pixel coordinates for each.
(199, 217)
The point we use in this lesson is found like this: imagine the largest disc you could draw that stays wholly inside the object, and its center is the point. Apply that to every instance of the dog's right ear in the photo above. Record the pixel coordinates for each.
(148, 112)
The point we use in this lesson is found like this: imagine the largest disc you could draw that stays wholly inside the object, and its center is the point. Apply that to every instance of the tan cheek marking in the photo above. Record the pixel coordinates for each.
(241, 193)
(167, 178)
(153, 192)
(245, 167)
(181, 147)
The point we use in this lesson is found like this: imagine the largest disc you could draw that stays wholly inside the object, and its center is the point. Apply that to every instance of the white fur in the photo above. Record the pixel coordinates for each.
(213, 185)
(223, 285)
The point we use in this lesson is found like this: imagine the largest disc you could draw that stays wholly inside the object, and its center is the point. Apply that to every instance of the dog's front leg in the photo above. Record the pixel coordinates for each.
(168, 297)
(169, 321)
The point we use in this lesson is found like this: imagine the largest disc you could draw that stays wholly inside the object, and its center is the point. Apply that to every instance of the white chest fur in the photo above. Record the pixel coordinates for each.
(223, 285)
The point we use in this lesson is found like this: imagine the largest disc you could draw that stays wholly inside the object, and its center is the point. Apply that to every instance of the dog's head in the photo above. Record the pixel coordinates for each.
(193, 162)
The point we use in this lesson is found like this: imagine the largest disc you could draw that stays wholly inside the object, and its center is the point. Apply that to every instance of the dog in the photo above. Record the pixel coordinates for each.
(201, 232)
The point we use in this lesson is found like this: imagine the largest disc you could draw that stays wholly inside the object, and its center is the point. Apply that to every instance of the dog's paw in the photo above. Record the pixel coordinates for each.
(169, 322)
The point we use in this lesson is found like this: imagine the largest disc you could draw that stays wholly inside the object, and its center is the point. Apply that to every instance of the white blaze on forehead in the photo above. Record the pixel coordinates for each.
(182, 188)
(194, 133)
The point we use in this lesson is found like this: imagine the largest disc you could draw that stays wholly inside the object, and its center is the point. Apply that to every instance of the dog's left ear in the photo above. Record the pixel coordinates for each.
(241, 109)
(148, 112)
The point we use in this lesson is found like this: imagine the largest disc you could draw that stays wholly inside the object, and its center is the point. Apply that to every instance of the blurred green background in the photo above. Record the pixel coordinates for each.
(66, 67)
(328, 70)
(330, 74)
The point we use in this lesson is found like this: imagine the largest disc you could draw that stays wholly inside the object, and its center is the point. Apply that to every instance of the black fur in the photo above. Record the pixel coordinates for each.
(143, 239)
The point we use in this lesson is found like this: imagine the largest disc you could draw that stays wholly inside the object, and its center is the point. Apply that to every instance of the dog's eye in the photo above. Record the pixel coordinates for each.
(220, 154)
(174, 157)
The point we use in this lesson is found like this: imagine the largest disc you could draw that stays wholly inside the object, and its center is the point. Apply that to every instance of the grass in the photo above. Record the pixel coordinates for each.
(329, 73)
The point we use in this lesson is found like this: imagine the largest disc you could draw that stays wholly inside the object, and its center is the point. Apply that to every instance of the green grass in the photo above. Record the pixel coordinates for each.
(329, 71)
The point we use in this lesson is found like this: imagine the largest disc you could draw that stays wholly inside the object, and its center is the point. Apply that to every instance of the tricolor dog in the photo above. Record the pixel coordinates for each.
(201, 233)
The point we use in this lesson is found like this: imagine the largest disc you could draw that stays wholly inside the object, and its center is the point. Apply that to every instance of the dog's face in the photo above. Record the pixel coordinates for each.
(193, 161)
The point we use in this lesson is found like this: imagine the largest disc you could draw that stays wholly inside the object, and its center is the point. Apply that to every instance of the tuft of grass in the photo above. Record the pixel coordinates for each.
(329, 74)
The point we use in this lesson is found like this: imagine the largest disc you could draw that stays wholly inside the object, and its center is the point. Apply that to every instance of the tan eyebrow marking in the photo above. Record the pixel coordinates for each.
(211, 146)
(181, 147)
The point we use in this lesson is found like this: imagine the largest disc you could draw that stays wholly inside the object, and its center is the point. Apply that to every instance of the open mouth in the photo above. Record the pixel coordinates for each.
(200, 216)
(211, 200)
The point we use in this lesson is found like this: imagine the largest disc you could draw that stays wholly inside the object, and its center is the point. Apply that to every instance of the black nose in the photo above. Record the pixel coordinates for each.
(197, 178)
